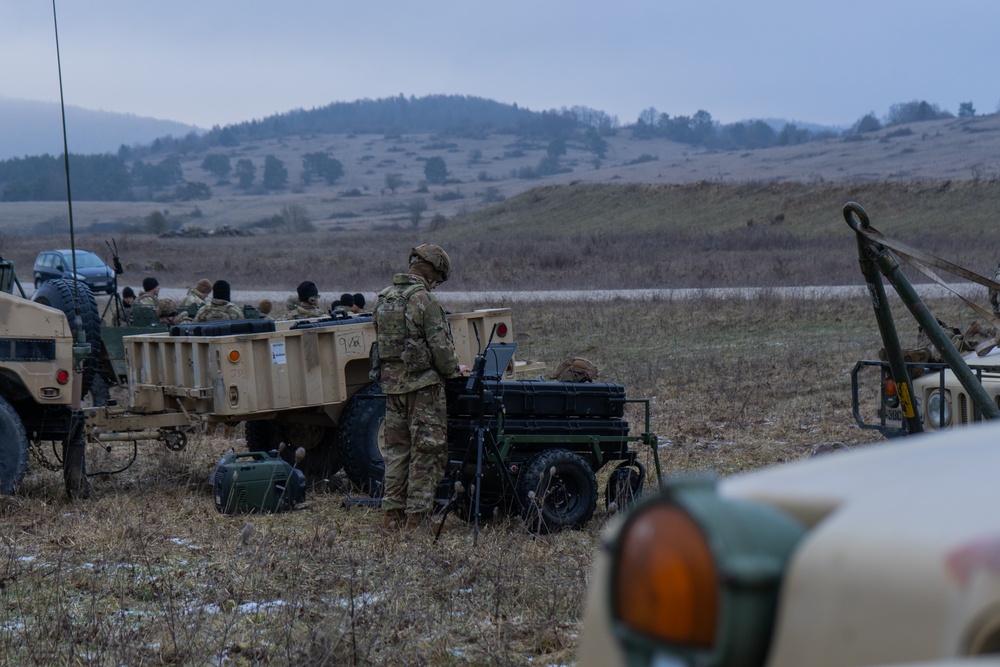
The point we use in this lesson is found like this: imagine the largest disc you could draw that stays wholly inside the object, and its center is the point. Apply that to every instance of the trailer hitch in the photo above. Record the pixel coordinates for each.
(874, 251)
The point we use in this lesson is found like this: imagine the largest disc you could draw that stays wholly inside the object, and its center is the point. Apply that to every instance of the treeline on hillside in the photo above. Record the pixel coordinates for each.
(701, 130)
(445, 115)
(156, 172)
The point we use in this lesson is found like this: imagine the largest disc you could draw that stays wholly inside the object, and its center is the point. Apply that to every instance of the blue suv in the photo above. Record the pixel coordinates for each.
(91, 269)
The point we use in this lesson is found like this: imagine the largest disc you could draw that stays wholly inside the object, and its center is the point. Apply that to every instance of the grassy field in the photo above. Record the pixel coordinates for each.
(147, 572)
(589, 237)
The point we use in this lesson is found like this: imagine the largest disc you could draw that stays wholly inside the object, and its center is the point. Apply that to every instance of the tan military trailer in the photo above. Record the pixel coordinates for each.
(885, 555)
(294, 382)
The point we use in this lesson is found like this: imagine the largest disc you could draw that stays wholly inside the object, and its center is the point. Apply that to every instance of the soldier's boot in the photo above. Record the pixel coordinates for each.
(393, 519)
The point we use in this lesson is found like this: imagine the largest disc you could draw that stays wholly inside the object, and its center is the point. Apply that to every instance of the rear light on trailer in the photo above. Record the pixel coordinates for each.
(62, 376)
(502, 330)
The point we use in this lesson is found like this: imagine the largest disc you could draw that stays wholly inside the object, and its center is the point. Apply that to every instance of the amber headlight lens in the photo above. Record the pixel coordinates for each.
(695, 577)
(667, 589)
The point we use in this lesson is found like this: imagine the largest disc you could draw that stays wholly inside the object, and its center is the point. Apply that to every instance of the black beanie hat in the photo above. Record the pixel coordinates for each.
(306, 290)
(149, 284)
(127, 292)
(346, 300)
(220, 290)
(359, 300)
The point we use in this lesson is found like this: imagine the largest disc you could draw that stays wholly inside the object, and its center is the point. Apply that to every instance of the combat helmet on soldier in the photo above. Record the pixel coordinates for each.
(435, 256)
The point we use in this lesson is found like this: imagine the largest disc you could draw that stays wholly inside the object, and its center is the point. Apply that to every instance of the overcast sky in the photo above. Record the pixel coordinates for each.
(214, 62)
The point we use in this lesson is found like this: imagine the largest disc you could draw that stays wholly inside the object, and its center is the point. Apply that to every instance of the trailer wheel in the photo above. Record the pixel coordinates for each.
(59, 294)
(362, 430)
(320, 442)
(558, 490)
(13, 448)
(623, 489)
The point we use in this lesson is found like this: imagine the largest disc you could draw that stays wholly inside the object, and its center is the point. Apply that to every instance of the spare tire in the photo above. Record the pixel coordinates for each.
(60, 294)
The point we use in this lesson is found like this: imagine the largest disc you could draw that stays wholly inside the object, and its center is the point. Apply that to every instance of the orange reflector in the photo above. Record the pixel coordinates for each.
(890, 387)
(234, 356)
(666, 584)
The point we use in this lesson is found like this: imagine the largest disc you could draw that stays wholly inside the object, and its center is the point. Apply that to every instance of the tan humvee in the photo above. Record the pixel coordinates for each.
(896, 562)
(39, 379)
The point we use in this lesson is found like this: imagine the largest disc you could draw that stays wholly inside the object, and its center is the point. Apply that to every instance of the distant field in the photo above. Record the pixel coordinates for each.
(628, 236)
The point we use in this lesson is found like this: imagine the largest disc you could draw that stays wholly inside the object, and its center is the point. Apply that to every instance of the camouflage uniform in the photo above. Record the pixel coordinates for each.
(193, 297)
(218, 309)
(146, 299)
(302, 311)
(167, 309)
(417, 353)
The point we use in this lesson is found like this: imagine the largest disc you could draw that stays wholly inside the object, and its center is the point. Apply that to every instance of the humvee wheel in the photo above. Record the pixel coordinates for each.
(557, 490)
(13, 448)
(362, 431)
(59, 294)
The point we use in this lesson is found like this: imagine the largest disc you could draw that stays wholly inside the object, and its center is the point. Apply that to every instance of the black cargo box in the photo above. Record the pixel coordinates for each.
(539, 399)
(222, 327)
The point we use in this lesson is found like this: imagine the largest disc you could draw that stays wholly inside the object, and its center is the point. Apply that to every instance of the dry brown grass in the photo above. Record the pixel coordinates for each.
(148, 572)
(595, 237)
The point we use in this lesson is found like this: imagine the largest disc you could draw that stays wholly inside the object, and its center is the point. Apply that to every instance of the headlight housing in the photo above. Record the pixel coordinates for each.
(695, 577)
(937, 400)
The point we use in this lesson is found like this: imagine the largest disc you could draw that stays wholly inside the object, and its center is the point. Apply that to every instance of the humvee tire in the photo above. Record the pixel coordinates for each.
(59, 294)
(322, 456)
(361, 431)
(13, 448)
(557, 489)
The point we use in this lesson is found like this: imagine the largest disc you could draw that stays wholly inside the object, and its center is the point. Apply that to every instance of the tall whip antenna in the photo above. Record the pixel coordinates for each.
(69, 196)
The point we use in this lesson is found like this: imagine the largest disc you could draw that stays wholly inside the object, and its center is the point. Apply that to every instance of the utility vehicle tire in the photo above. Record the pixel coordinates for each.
(362, 431)
(622, 489)
(558, 490)
(75, 465)
(59, 294)
(13, 448)
(322, 456)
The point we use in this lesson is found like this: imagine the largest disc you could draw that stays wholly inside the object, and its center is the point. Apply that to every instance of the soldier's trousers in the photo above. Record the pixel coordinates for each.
(416, 448)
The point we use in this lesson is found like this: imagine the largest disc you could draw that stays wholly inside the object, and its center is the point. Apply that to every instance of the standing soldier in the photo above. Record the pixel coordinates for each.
(417, 354)
(149, 294)
(308, 303)
(198, 294)
(219, 308)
